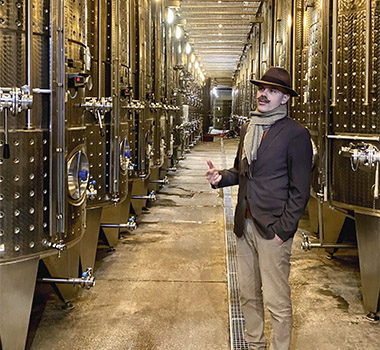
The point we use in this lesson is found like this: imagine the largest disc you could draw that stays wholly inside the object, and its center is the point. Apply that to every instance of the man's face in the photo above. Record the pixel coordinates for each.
(269, 98)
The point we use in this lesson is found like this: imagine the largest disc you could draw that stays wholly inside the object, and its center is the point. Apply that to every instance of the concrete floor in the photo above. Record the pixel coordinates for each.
(165, 286)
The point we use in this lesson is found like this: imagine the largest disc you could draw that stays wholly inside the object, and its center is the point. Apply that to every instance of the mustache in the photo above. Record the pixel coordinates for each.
(263, 99)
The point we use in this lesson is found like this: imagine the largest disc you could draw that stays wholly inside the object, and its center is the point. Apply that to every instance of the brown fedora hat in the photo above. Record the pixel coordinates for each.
(278, 78)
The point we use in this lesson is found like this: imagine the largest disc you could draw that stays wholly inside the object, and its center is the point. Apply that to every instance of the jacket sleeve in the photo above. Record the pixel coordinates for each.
(299, 160)
(230, 177)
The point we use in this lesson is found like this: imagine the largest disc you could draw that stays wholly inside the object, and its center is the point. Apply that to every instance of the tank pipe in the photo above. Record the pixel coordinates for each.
(321, 224)
(330, 245)
(131, 225)
(116, 111)
(293, 103)
(376, 185)
(115, 225)
(354, 137)
(306, 245)
(41, 91)
(72, 281)
(368, 49)
(164, 181)
(342, 212)
(29, 39)
(322, 130)
(334, 51)
(142, 84)
(151, 196)
(100, 32)
(60, 147)
(86, 281)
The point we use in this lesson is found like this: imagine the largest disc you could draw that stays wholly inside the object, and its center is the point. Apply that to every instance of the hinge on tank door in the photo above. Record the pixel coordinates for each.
(13, 100)
(309, 3)
(98, 107)
(136, 105)
(364, 155)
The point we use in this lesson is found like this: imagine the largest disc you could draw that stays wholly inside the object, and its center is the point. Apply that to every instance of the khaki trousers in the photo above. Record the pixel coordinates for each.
(263, 272)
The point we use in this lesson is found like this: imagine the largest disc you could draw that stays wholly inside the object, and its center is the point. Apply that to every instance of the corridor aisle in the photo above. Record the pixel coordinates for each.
(165, 286)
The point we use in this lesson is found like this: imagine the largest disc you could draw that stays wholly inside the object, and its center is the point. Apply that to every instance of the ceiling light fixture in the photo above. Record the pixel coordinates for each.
(170, 18)
(178, 32)
(188, 49)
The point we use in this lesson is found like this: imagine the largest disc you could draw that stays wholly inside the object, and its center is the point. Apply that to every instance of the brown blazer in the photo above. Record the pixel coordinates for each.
(280, 186)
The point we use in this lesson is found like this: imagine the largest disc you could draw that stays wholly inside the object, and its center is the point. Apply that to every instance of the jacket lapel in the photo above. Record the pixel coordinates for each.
(271, 135)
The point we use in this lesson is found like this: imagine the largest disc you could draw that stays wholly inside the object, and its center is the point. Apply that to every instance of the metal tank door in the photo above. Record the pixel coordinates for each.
(353, 135)
(24, 163)
(116, 217)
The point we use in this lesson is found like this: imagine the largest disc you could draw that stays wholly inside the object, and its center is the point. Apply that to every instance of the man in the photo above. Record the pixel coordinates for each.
(272, 169)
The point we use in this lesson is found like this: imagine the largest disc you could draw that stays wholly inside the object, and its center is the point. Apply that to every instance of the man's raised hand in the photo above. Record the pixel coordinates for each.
(212, 174)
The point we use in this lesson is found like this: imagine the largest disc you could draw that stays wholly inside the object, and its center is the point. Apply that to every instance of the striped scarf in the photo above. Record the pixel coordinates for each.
(259, 122)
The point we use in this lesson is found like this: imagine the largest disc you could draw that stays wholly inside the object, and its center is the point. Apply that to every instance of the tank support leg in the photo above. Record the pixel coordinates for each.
(17, 283)
(368, 236)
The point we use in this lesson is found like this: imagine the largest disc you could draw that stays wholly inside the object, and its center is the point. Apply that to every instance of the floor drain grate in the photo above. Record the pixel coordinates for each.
(236, 317)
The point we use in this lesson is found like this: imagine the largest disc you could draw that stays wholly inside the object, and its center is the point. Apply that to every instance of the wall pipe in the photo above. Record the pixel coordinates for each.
(116, 104)
(354, 137)
(100, 47)
(368, 49)
(29, 38)
(60, 94)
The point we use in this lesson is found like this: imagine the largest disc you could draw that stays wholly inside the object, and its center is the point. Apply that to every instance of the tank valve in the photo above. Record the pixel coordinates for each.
(15, 101)
(365, 155)
(305, 245)
(88, 279)
(92, 192)
(152, 196)
(98, 107)
(132, 225)
(60, 246)
(115, 199)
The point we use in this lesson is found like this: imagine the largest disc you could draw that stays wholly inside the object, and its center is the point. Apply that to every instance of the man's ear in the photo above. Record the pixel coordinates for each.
(285, 99)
